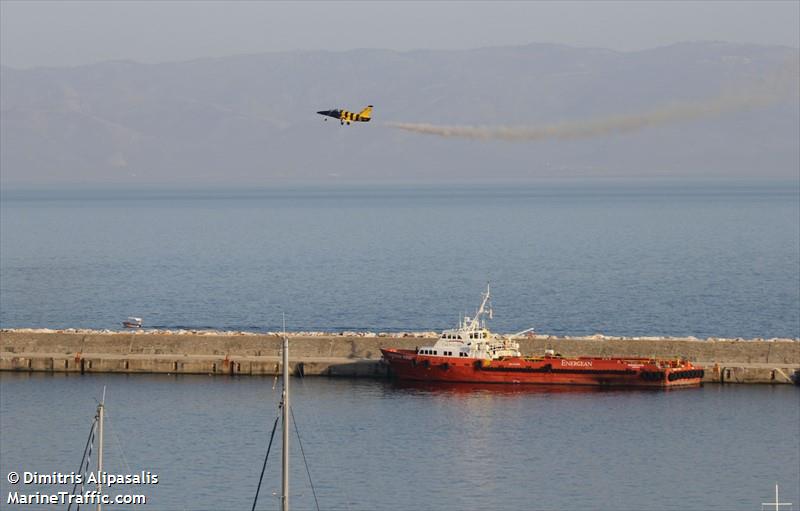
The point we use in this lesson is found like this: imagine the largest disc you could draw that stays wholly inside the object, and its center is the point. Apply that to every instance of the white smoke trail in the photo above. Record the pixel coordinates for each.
(772, 90)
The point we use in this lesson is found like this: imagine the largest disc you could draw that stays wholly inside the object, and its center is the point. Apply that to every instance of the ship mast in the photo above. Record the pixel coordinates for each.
(475, 323)
(100, 415)
(285, 425)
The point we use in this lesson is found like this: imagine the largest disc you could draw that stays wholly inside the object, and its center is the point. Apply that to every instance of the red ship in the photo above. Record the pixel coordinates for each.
(471, 353)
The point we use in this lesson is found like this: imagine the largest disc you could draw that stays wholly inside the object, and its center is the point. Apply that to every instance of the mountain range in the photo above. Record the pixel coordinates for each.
(250, 119)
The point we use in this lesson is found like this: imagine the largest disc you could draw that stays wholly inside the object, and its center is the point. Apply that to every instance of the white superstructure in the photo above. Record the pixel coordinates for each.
(471, 339)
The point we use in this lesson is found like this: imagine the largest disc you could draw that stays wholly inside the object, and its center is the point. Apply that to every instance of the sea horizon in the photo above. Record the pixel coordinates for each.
(549, 250)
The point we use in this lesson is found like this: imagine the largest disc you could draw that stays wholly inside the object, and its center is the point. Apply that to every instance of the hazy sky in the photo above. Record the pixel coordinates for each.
(42, 33)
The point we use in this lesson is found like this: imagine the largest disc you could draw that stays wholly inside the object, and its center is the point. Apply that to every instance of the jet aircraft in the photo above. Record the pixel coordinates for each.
(347, 117)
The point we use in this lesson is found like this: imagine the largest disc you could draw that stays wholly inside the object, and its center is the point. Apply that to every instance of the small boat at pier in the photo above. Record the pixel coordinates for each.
(132, 322)
(470, 353)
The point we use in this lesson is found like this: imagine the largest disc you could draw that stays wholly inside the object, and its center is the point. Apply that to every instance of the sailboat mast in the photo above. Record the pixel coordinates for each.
(285, 429)
(100, 416)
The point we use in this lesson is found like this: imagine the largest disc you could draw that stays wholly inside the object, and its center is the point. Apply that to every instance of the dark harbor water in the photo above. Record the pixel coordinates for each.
(621, 259)
(374, 445)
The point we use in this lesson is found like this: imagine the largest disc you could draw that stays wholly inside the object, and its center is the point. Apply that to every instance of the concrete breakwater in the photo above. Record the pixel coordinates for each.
(353, 354)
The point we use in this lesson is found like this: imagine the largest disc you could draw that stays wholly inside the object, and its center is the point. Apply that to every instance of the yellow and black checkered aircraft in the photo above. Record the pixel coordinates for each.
(347, 117)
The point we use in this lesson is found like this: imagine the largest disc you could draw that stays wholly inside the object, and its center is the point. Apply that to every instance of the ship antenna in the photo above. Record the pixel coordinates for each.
(476, 321)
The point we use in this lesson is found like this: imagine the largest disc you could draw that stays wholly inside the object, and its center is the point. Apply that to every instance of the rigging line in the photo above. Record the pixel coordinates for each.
(119, 444)
(264, 467)
(83, 458)
(303, 452)
(317, 425)
(86, 466)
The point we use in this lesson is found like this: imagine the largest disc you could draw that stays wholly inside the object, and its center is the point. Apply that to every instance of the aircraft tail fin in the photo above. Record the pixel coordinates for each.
(366, 113)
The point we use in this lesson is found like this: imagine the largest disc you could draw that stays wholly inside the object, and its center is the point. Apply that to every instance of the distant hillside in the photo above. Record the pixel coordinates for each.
(251, 118)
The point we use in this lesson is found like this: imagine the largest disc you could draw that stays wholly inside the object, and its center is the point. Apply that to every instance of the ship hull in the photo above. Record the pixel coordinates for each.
(618, 372)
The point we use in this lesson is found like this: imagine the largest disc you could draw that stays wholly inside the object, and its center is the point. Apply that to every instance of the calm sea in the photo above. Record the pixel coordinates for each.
(621, 259)
(375, 445)
(666, 259)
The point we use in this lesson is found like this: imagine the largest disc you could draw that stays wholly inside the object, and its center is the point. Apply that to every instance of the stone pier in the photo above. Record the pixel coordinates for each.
(774, 361)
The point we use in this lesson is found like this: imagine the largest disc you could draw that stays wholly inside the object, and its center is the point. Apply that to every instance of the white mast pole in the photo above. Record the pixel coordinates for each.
(285, 430)
(475, 323)
(100, 415)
